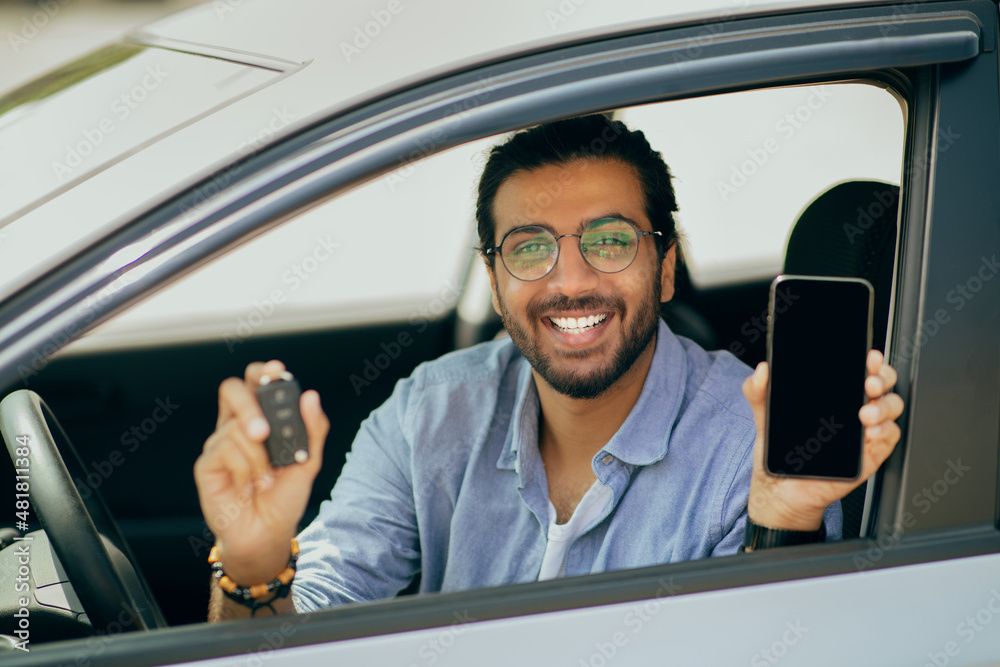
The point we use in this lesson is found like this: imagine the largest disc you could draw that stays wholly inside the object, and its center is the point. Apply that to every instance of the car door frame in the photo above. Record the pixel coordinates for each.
(933, 58)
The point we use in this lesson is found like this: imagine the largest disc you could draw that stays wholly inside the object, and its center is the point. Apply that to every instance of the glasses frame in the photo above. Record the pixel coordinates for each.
(496, 250)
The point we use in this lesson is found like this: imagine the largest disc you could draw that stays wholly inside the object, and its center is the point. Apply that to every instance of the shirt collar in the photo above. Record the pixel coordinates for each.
(642, 438)
(522, 436)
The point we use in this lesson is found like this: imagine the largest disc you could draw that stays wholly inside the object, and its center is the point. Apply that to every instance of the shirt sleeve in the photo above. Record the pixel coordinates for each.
(833, 519)
(734, 510)
(364, 543)
(734, 505)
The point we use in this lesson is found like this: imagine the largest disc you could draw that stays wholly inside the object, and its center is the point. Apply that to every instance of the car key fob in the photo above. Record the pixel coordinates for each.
(279, 399)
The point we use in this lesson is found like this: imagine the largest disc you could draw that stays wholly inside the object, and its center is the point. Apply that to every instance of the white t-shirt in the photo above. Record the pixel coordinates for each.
(560, 536)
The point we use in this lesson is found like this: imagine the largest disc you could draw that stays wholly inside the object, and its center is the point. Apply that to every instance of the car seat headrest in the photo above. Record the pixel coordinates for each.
(850, 231)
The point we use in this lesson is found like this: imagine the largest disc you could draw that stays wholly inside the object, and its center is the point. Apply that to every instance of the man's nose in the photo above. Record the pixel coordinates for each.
(572, 274)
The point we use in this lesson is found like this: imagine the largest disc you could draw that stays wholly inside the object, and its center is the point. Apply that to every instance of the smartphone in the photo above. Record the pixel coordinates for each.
(819, 334)
(288, 442)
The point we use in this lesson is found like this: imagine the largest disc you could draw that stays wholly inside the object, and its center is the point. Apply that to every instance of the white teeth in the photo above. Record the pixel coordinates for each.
(577, 324)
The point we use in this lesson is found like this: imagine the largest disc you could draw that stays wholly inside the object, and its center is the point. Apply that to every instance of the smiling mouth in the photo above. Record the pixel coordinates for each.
(577, 325)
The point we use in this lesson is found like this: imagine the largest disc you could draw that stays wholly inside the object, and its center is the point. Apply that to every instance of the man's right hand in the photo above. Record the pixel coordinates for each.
(253, 508)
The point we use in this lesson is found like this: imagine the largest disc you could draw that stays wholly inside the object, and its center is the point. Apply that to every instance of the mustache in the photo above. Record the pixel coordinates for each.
(558, 302)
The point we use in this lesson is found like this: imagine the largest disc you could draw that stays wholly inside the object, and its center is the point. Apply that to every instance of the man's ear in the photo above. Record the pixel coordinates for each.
(493, 284)
(667, 268)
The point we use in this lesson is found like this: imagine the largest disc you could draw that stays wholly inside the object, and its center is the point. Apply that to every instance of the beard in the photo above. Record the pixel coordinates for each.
(574, 383)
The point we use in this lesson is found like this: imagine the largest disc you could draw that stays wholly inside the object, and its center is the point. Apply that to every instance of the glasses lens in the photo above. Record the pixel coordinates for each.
(609, 245)
(529, 253)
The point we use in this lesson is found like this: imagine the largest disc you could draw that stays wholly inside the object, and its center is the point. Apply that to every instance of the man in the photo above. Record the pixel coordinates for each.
(593, 439)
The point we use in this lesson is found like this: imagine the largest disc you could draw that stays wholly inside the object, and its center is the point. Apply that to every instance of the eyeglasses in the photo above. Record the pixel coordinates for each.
(609, 245)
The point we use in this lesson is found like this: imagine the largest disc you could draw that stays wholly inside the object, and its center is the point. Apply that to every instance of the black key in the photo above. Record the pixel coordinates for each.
(279, 399)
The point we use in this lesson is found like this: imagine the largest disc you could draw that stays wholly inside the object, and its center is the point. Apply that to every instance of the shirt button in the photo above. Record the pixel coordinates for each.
(607, 459)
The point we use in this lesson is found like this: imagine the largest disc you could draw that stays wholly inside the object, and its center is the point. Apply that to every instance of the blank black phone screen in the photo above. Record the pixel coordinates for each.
(819, 334)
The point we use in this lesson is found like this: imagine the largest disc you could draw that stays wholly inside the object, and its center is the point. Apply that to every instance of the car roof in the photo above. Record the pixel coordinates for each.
(363, 48)
(322, 64)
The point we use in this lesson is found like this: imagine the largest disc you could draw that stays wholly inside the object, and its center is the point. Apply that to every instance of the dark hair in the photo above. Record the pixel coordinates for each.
(586, 137)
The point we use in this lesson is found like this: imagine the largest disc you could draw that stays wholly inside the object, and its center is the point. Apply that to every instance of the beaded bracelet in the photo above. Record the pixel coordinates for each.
(248, 596)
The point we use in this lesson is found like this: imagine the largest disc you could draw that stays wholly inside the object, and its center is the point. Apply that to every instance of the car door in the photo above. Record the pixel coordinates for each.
(930, 519)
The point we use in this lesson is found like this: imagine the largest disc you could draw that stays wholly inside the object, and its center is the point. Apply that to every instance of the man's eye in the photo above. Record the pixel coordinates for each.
(610, 241)
(531, 248)
(608, 244)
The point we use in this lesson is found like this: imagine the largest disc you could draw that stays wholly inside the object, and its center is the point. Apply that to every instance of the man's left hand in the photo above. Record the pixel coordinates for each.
(798, 504)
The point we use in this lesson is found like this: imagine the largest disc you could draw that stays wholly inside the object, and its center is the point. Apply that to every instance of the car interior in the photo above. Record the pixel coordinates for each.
(139, 411)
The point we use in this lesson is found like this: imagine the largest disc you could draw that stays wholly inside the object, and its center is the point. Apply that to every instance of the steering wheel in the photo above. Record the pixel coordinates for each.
(80, 531)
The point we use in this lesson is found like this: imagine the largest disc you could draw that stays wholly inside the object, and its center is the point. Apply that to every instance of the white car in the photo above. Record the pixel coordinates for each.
(254, 179)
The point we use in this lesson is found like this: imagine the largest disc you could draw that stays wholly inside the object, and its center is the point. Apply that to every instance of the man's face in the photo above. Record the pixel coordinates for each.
(580, 359)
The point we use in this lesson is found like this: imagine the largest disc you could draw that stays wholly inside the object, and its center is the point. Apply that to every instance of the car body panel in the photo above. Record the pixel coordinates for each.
(755, 625)
(295, 101)
(448, 120)
(854, 595)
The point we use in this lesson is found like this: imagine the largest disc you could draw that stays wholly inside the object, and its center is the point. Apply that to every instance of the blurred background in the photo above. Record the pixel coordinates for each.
(37, 35)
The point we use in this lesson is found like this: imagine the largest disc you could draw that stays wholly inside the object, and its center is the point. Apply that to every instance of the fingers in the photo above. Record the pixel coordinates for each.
(755, 386)
(228, 468)
(884, 408)
(253, 462)
(881, 376)
(880, 441)
(873, 361)
(238, 405)
(879, 415)
(238, 398)
(258, 369)
(881, 431)
(317, 426)
(755, 390)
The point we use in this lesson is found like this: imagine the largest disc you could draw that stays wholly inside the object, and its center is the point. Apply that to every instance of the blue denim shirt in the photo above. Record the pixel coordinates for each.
(445, 479)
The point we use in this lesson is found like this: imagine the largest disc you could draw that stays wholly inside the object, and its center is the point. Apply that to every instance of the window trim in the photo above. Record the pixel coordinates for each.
(280, 182)
(267, 188)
